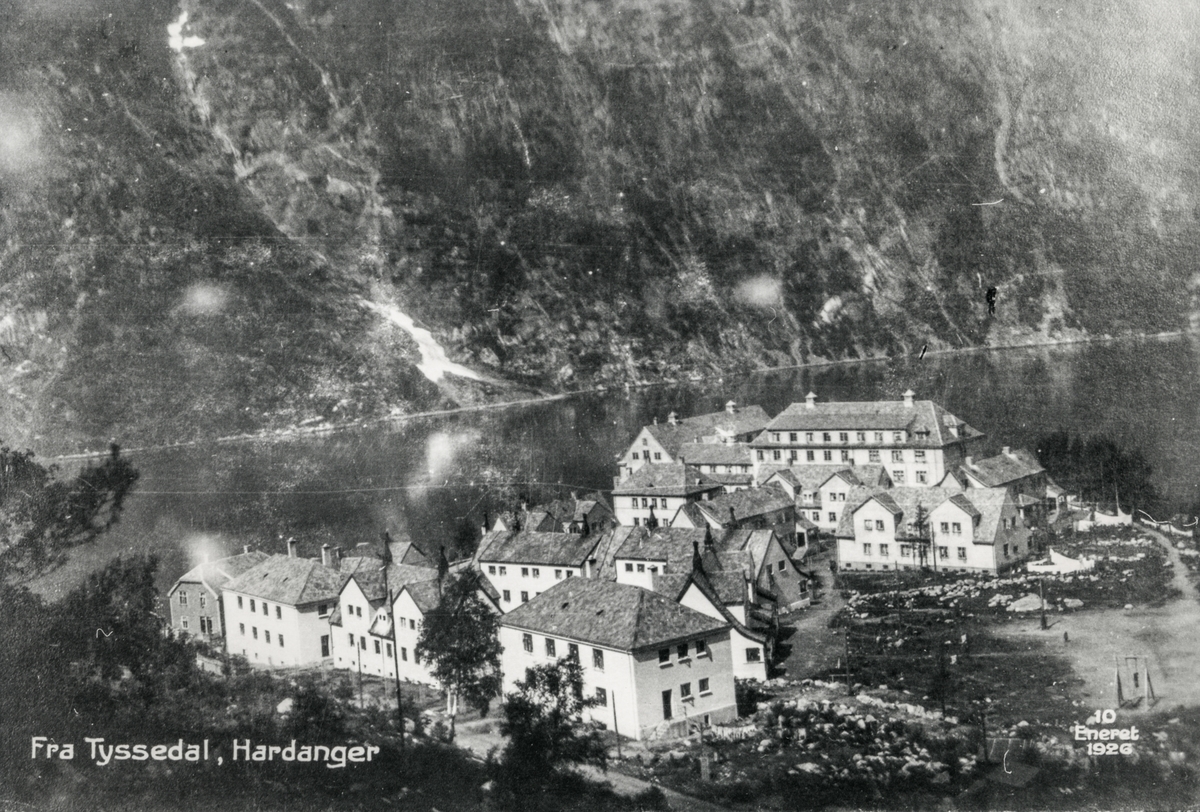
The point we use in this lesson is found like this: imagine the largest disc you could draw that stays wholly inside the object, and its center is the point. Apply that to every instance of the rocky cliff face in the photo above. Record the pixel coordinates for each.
(571, 192)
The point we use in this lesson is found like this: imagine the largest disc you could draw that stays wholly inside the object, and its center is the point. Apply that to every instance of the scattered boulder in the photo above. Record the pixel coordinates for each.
(1072, 603)
(1029, 603)
(285, 707)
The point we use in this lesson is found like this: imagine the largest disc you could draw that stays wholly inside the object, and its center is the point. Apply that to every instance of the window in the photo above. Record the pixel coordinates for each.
(412, 623)
(905, 550)
(203, 600)
(389, 649)
(774, 436)
(527, 642)
(879, 436)
(760, 456)
(491, 569)
(878, 524)
(657, 455)
(404, 653)
(754, 654)
(873, 455)
(682, 648)
(242, 629)
(808, 436)
(635, 455)
(254, 632)
(769, 569)
(919, 456)
(239, 601)
(845, 455)
(685, 691)
(777, 454)
(524, 572)
(703, 686)
(507, 596)
(826, 437)
(794, 455)
(1006, 551)
(537, 573)
(550, 647)
(569, 573)
(645, 502)
(943, 553)
(844, 437)
(362, 643)
(182, 598)
(573, 652)
(377, 651)
(664, 656)
(883, 550)
(957, 528)
(810, 455)
(636, 521)
(897, 456)
(252, 607)
(897, 436)
(323, 609)
(922, 477)
(267, 635)
(524, 597)
(816, 515)
(645, 441)
(832, 516)
(504, 570)
(866, 549)
(602, 697)
(793, 437)
(944, 527)
(185, 623)
(598, 659)
(653, 569)
(558, 575)
(898, 476)
(962, 553)
(701, 648)
(860, 437)
(641, 567)
(281, 641)
(266, 609)
(868, 524)
(828, 455)
(278, 613)
(628, 567)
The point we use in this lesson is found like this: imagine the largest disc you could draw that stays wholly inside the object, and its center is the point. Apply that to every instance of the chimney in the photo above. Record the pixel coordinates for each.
(325, 558)
(731, 407)
(749, 592)
(810, 400)
(656, 420)
(587, 526)
(672, 419)
(335, 556)
(732, 515)
(969, 461)
(291, 547)
(245, 548)
(697, 564)
(1006, 451)
(908, 397)
(708, 539)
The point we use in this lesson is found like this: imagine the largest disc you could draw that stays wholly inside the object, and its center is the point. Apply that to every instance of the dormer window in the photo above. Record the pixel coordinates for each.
(774, 436)
(897, 436)
(826, 437)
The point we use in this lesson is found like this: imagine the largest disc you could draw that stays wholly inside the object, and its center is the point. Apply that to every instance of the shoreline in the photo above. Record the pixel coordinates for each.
(299, 431)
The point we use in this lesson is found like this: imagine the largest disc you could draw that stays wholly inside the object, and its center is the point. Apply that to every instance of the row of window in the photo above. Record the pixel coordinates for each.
(640, 567)
(254, 634)
(506, 596)
(664, 654)
(529, 572)
(183, 599)
(943, 553)
(661, 522)
(551, 649)
(846, 456)
(362, 644)
(729, 469)
(685, 689)
(266, 610)
(657, 456)
(651, 502)
(206, 624)
(842, 437)
(947, 528)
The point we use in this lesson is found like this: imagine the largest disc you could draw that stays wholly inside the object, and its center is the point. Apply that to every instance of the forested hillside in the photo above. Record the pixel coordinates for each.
(566, 193)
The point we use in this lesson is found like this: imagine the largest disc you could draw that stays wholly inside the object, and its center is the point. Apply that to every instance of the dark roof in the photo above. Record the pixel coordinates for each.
(290, 581)
(610, 542)
(715, 454)
(215, 574)
(927, 423)
(666, 479)
(670, 544)
(609, 614)
(1004, 469)
(425, 594)
(722, 589)
(746, 504)
(534, 547)
(901, 500)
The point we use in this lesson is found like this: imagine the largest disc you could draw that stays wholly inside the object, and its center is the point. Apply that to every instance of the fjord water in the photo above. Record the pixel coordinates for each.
(434, 478)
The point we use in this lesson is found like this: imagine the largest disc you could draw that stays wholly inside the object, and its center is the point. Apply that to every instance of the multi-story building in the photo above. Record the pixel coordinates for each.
(731, 464)
(278, 611)
(653, 665)
(977, 530)
(195, 599)
(916, 441)
(523, 564)
(362, 610)
(661, 442)
(653, 493)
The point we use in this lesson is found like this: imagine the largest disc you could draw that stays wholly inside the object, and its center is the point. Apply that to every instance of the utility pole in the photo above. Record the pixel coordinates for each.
(616, 729)
(846, 643)
(396, 662)
(358, 648)
(1042, 595)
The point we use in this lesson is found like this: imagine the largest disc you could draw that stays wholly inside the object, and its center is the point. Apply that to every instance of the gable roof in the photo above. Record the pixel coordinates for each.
(289, 581)
(606, 613)
(928, 425)
(610, 543)
(673, 545)
(902, 501)
(1004, 468)
(744, 421)
(989, 502)
(666, 479)
(536, 547)
(745, 504)
(216, 574)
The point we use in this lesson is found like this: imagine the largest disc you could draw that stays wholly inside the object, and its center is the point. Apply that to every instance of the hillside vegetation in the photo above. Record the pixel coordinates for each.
(571, 192)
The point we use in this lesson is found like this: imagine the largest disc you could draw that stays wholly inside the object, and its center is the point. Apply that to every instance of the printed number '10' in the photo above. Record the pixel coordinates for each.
(1103, 717)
